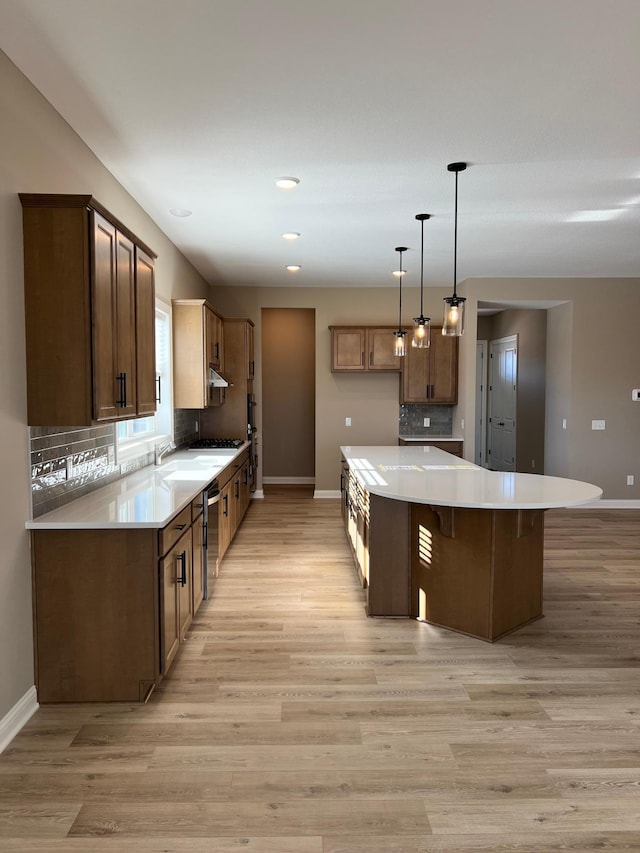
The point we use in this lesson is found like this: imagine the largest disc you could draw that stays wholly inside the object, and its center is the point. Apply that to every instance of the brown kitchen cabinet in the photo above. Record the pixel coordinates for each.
(198, 338)
(89, 284)
(431, 375)
(111, 607)
(363, 349)
(235, 497)
(453, 447)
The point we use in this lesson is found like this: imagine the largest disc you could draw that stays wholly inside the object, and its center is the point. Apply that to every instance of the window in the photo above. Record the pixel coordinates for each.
(136, 437)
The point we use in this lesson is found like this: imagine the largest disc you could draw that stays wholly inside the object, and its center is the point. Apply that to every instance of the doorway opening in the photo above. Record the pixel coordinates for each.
(288, 395)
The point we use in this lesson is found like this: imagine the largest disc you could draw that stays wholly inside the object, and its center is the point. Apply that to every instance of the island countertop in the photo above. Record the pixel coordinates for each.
(149, 497)
(429, 475)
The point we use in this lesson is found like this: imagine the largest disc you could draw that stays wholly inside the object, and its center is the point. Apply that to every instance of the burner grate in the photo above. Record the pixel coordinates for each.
(216, 443)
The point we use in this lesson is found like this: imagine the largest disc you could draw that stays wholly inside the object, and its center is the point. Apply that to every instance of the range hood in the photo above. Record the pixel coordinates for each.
(217, 380)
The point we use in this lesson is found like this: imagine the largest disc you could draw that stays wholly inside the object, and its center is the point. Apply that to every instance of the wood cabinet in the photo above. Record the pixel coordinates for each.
(197, 347)
(360, 349)
(235, 497)
(431, 375)
(111, 607)
(453, 447)
(88, 285)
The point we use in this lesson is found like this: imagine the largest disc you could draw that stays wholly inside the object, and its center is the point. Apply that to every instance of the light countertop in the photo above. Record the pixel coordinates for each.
(149, 497)
(431, 476)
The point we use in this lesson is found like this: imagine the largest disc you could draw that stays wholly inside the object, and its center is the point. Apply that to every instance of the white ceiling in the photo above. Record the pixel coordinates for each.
(201, 104)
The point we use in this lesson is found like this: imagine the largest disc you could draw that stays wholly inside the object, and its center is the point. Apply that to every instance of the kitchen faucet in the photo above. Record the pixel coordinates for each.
(161, 449)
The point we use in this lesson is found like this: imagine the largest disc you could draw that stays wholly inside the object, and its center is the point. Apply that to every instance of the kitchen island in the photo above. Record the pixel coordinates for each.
(442, 540)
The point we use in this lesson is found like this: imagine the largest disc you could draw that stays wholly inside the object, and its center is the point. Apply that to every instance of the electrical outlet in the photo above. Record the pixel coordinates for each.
(196, 427)
(347, 421)
(597, 424)
(533, 464)
(630, 480)
(564, 423)
(426, 422)
(635, 394)
(462, 423)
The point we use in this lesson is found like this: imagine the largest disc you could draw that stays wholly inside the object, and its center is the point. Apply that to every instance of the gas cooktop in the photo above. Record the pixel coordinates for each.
(216, 443)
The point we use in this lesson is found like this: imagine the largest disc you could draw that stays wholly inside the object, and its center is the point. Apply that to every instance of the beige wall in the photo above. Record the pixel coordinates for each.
(288, 368)
(604, 366)
(39, 152)
(371, 401)
(530, 326)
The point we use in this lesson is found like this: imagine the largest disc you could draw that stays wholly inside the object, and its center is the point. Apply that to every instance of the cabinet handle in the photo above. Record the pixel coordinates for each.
(245, 477)
(341, 482)
(182, 577)
(225, 502)
(199, 506)
(217, 351)
(180, 526)
(362, 358)
(237, 485)
(159, 383)
(370, 359)
(252, 366)
(122, 380)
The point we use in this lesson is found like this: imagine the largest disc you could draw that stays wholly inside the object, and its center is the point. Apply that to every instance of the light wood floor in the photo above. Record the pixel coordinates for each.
(291, 723)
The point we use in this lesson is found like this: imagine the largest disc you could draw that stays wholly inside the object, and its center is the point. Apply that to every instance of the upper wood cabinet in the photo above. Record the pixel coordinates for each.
(90, 314)
(431, 375)
(359, 349)
(197, 347)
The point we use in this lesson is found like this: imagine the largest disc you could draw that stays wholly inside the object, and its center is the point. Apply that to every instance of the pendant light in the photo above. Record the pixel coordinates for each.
(453, 322)
(400, 347)
(421, 325)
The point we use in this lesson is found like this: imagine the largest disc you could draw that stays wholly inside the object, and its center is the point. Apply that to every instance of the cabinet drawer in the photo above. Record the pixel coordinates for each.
(169, 535)
(197, 506)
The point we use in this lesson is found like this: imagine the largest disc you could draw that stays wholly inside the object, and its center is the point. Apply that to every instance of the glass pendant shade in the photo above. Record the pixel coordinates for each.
(400, 345)
(421, 332)
(453, 320)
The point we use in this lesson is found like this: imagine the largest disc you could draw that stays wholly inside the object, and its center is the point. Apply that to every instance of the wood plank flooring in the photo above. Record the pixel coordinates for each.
(291, 723)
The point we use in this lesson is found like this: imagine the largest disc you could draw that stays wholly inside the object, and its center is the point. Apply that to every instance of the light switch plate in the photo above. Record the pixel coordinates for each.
(597, 424)
(635, 394)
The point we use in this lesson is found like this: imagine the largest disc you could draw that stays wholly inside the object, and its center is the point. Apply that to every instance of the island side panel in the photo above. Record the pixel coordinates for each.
(517, 568)
(96, 614)
(451, 576)
(389, 557)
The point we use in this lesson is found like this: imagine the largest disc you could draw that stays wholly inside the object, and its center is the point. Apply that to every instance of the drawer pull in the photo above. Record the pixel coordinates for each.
(180, 526)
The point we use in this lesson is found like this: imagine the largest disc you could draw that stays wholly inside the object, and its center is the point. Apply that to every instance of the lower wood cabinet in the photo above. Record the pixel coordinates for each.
(235, 497)
(453, 447)
(111, 607)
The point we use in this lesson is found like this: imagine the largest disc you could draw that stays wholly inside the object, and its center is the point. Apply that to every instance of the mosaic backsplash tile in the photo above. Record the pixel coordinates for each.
(69, 462)
(411, 422)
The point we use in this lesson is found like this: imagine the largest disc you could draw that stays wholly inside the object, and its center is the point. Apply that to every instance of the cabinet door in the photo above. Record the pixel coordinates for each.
(443, 354)
(104, 317)
(416, 376)
(169, 608)
(348, 348)
(213, 327)
(146, 387)
(224, 519)
(197, 579)
(380, 345)
(126, 326)
(184, 576)
(251, 363)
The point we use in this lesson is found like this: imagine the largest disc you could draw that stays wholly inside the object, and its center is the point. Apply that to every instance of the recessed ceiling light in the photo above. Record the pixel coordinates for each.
(593, 215)
(291, 235)
(287, 183)
(180, 211)
(293, 267)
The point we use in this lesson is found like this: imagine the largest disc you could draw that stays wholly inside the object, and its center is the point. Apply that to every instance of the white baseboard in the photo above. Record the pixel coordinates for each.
(18, 717)
(322, 493)
(258, 494)
(610, 503)
(289, 481)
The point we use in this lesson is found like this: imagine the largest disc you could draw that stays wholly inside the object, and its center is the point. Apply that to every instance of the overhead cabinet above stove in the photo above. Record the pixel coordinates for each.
(198, 354)
(90, 314)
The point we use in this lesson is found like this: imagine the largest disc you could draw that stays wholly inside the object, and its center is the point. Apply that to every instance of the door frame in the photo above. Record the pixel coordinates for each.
(482, 382)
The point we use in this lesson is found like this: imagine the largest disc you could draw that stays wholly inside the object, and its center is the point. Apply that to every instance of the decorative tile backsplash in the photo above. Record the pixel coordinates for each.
(412, 417)
(69, 462)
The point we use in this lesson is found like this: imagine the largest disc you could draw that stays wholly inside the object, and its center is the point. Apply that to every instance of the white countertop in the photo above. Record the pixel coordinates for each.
(431, 476)
(149, 497)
